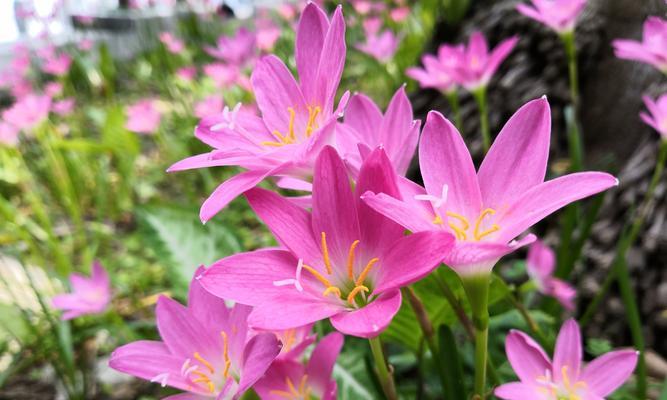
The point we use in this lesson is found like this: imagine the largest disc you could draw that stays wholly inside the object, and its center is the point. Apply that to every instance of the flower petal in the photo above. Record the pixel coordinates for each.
(399, 135)
(331, 63)
(413, 218)
(289, 223)
(210, 310)
(311, 31)
(291, 311)
(411, 258)
(181, 332)
(568, 352)
(334, 210)
(516, 391)
(364, 116)
(445, 160)
(608, 372)
(543, 199)
(474, 258)
(517, 160)
(322, 360)
(258, 355)
(370, 320)
(527, 358)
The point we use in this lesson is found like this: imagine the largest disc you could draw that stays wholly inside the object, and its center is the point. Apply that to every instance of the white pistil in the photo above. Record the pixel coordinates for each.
(296, 282)
(436, 202)
(229, 118)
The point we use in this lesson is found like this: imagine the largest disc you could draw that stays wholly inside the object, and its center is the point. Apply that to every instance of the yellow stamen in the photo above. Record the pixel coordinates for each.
(207, 381)
(365, 272)
(460, 231)
(312, 114)
(291, 387)
(302, 385)
(437, 220)
(203, 361)
(325, 253)
(281, 393)
(350, 260)
(332, 289)
(225, 353)
(290, 337)
(272, 144)
(317, 275)
(292, 116)
(479, 235)
(354, 292)
(200, 374)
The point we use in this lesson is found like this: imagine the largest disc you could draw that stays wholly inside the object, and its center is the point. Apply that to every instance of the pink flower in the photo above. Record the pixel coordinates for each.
(651, 50)
(187, 73)
(298, 119)
(382, 47)
(362, 7)
(53, 89)
(206, 350)
(478, 64)
(237, 50)
(559, 15)
(486, 210)
(172, 43)
(290, 379)
(343, 261)
(223, 75)
(657, 114)
(28, 112)
(57, 65)
(295, 341)
(267, 34)
(540, 266)
(85, 44)
(89, 295)
(143, 117)
(565, 377)
(365, 128)
(9, 134)
(209, 106)
(439, 72)
(372, 25)
(399, 14)
(64, 107)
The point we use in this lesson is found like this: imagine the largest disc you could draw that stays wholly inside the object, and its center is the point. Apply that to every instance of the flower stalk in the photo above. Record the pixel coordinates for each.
(480, 97)
(477, 289)
(453, 99)
(384, 375)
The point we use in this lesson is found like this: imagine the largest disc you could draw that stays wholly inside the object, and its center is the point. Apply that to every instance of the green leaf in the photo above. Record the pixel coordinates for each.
(183, 243)
(352, 377)
(450, 364)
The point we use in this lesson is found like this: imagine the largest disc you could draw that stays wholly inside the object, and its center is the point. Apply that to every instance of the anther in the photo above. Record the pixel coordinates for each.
(364, 273)
(479, 235)
(331, 289)
(355, 292)
(204, 362)
(325, 253)
(350, 260)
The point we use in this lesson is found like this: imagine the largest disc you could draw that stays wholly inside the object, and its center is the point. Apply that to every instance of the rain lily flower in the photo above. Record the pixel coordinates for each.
(372, 25)
(53, 89)
(365, 128)
(209, 106)
(438, 71)
(224, 75)
(295, 341)
(85, 44)
(206, 350)
(478, 64)
(487, 210)
(399, 14)
(565, 377)
(540, 266)
(89, 295)
(236, 50)
(651, 50)
(343, 261)
(290, 379)
(172, 43)
(382, 46)
(267, 34)
(9, 134)
(63, 107)
(297, 120)
(143, 117)
(28, 112)
(657, 114)
(57, 65)
(559, 15)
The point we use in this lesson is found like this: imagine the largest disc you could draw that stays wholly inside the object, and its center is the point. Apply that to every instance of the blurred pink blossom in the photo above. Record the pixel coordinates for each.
(57, 65)
(223, 75)
(86, 44)
(64, 107)
(53, 89)
(399, 14)
(651, 50)
(382, 47)
(28, 112)
(372, 25)
(540, 267)
(362, 7)
(237, 50)
(559, 15)
(89, 295)
(479, 64)
(143, 117)
(209, 106)
(172, 43)
(267, 34)
(657, 114)
(187, 73)
(438, 72)
(86, 20)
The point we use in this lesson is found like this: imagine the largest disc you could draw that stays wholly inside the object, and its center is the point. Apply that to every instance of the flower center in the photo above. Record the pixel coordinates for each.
(292, 392)
(290, 137)
(461, 226)
(566, 390)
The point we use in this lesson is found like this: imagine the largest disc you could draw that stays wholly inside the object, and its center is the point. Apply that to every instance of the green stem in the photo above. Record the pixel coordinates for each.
(477, 289)
(480, 97)
(453, 99)
(385, 377)
(571, 52)
(455, 304)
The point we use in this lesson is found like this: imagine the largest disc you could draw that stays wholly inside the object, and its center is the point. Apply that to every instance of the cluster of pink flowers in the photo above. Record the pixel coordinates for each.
(381, 44)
